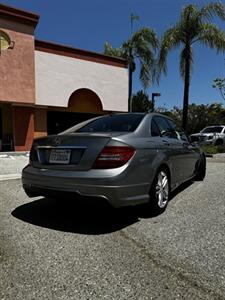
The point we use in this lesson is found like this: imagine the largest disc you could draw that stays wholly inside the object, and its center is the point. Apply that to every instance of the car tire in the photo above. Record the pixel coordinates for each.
(201, 169)
(160, 191)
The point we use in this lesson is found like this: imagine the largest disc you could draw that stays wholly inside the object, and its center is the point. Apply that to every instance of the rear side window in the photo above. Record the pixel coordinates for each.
(154, 129)
(114, 123)
(162, 124)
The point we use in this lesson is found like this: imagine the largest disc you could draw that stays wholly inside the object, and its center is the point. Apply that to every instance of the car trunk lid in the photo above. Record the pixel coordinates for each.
(77, 151)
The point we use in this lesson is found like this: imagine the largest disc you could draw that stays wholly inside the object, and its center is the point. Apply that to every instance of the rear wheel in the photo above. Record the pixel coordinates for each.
(160, 191)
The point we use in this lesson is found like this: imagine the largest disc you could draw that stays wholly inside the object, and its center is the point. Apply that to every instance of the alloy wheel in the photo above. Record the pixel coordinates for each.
(162, 189)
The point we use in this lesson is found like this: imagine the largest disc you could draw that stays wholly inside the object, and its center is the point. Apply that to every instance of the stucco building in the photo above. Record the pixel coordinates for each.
(46, 88)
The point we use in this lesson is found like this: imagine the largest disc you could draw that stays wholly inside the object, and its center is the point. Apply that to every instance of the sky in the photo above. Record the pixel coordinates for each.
(88, 24)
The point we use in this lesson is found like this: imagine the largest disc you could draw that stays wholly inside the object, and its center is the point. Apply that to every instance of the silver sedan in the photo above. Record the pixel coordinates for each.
(127, 159)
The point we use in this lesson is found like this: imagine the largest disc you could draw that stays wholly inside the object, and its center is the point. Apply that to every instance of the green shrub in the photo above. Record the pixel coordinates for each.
(209, 149)
(221, 149)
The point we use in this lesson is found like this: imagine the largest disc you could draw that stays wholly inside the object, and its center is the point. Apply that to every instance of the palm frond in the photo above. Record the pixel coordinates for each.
(170, 40)
(144, 44)
(189, 22)
(213, 9)
(116, 52)
(141, 46)
(147, 36)
(212, 36)
(188, 12)
(145, 75)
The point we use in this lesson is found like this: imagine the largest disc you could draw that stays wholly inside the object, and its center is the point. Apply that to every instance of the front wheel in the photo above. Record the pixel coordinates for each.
(201, 169)
(160, 191)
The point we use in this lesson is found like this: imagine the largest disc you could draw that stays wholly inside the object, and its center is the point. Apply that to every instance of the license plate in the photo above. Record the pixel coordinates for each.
(60, 156)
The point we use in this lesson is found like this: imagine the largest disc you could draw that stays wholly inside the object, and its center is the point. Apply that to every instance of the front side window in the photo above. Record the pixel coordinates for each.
(168, 128)
(213, 129)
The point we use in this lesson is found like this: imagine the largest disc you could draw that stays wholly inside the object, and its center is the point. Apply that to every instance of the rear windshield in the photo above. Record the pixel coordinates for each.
(113, 123)
(217, 129)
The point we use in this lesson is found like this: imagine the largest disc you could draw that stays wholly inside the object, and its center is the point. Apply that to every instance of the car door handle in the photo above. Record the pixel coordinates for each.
(166, 142)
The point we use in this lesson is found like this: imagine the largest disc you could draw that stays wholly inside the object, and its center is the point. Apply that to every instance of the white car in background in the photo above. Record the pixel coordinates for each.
(212, 135)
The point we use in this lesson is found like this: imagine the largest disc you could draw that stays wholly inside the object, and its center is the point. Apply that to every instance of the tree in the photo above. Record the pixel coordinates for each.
(200, 116)
(219, 83)
(141, 102)
(140, 47)
(193, 26)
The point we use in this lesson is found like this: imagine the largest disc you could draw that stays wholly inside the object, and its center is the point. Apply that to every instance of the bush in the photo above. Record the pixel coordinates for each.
(209, 149)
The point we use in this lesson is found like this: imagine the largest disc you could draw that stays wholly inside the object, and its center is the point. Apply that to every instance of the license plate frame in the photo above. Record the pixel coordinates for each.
(60, 156)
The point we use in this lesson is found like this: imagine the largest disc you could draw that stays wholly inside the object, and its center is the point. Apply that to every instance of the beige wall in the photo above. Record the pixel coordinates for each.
(57, 77)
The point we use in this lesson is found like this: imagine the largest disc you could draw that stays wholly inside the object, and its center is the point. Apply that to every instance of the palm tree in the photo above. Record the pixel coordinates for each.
(193, 26)
(141, 47)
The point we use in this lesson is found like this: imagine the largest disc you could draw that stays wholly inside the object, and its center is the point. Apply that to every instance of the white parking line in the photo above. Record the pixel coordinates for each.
(10, 177)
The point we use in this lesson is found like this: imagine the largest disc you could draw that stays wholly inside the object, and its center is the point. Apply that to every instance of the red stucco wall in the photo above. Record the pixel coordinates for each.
(23, 128)
(17, 74)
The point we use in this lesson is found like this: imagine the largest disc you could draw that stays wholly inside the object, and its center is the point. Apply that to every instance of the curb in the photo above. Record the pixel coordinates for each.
(8, 154)
(10, 177)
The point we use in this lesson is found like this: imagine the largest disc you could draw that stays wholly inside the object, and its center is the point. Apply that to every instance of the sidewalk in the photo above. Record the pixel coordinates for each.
(219, 158)
(12, 163)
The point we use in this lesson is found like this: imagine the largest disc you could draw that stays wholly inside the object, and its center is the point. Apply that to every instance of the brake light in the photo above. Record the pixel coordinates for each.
(113, 157)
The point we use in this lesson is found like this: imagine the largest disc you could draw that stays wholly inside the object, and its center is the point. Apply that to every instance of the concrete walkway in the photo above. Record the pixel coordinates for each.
(12, 163)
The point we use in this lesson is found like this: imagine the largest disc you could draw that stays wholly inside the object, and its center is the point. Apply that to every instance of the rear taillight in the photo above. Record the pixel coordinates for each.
(113, 157)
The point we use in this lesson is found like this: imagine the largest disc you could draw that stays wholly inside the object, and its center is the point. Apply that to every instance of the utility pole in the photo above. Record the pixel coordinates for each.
(153, 100)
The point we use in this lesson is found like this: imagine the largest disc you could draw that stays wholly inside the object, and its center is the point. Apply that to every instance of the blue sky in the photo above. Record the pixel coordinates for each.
(88, 24)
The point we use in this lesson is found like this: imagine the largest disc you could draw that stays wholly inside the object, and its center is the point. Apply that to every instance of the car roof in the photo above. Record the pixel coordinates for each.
(214, 126)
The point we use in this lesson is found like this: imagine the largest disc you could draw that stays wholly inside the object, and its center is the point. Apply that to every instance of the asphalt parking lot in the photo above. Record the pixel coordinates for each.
(84, 249)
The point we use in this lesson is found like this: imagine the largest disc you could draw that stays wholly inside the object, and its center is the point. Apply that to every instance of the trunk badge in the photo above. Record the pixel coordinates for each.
(57, 141)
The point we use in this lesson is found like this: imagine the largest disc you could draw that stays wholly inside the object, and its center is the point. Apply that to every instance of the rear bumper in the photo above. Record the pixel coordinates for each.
(42, 182)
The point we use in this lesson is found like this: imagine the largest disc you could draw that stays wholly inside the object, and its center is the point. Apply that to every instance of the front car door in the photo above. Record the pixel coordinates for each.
(189, 155)
(172, 148)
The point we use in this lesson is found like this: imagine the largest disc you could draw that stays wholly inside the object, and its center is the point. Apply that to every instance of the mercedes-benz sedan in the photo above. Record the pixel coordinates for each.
(127, 159)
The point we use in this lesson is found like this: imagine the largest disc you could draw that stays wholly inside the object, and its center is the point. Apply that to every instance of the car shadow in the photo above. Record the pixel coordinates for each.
(83, 215)
(181, 188)
(80, 215)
